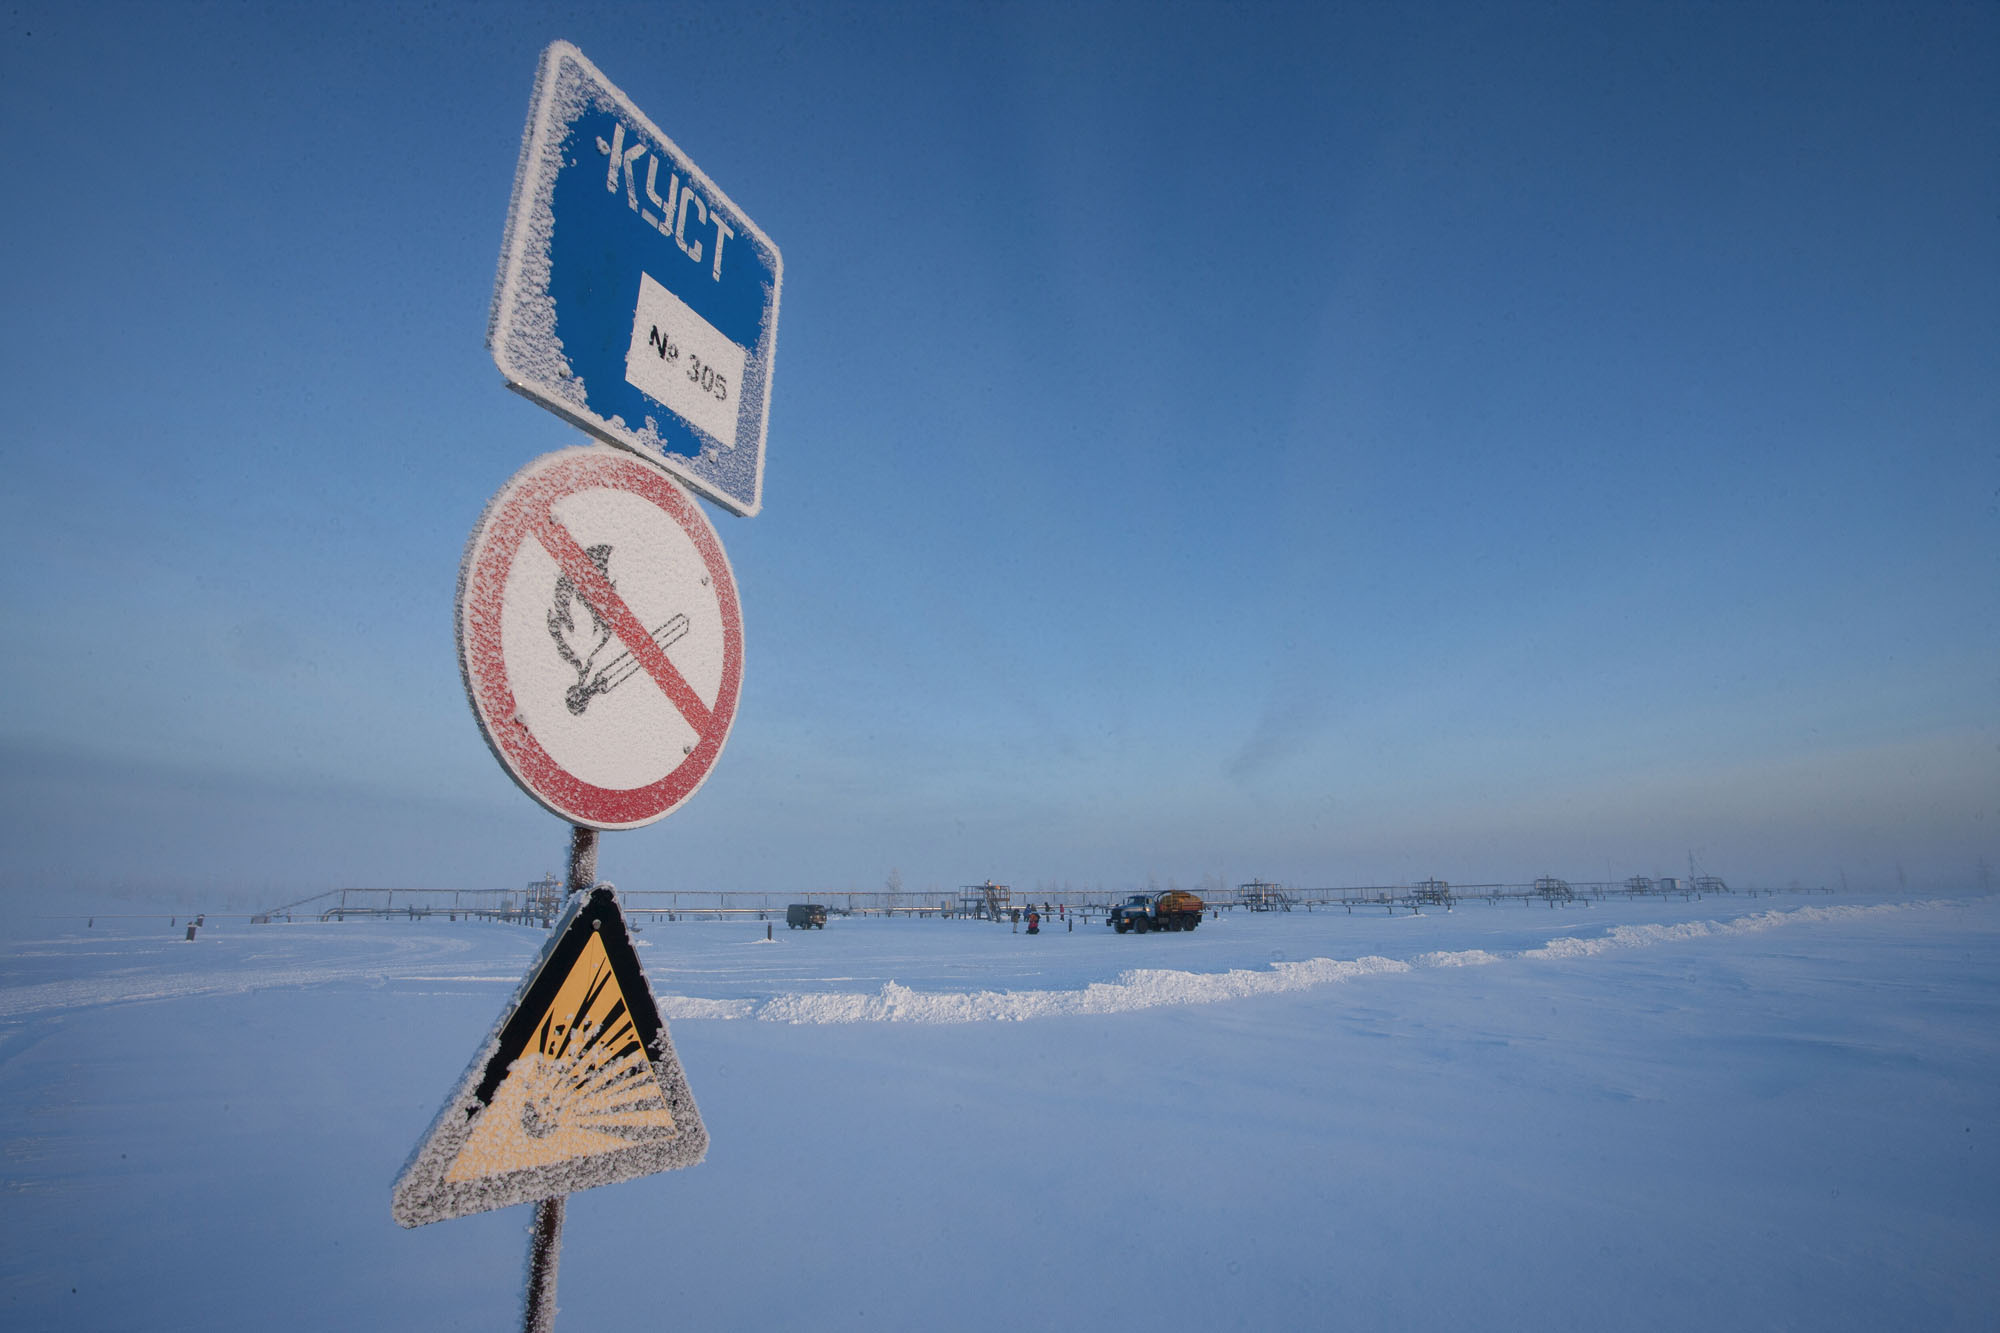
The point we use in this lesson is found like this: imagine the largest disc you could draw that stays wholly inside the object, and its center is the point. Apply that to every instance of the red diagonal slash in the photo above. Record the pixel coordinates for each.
(604, 599)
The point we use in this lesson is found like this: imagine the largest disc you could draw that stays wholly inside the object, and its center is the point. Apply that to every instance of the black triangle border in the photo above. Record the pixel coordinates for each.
(422, 1195)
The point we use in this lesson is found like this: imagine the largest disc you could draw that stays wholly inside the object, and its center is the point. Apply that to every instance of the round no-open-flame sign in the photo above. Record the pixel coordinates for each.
(600, 637)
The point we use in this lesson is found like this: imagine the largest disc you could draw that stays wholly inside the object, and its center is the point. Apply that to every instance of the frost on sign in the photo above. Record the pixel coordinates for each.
(577, 1086)
(600, 637)
(634, 298)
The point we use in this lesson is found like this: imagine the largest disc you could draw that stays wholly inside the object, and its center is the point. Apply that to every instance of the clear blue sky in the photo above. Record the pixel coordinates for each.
(1332, 444)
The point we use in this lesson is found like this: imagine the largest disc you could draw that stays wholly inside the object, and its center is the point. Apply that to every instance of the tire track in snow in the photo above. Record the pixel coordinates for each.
(84, 993)
(1152, 988)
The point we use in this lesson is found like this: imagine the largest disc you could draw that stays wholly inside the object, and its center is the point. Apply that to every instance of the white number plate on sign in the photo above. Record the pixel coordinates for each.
(680, 359)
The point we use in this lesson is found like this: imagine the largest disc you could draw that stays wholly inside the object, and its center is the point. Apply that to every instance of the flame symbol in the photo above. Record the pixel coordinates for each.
(578, 648)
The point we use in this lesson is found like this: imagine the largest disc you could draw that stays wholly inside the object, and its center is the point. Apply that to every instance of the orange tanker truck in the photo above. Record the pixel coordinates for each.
(1176, 909)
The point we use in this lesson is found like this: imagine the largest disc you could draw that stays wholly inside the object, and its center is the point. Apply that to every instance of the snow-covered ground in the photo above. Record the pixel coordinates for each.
(1725, 1114)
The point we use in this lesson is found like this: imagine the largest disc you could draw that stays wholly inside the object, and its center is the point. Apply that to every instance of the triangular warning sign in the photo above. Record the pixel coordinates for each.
(577, 1086)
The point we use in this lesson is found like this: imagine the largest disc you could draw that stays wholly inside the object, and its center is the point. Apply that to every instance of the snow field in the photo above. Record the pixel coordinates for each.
(1732, 1119)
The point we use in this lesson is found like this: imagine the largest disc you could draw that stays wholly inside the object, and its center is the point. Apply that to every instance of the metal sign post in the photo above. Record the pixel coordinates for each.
(599, 634)
(582, 858)
(538, 1313)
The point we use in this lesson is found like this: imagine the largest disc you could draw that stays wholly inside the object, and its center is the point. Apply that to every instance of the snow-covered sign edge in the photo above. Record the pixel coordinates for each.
(422, 1195)
(520, 327)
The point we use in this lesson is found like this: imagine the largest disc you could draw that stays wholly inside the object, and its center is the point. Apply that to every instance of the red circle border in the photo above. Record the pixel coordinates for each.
(511, 518)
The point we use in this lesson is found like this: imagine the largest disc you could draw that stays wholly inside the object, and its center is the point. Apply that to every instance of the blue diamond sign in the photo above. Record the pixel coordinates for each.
(634, 299)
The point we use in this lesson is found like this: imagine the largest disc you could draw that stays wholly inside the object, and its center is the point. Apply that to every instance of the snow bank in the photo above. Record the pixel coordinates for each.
(1140, 988)
(1640, 937)
(1458, 958)
(1151, 988)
